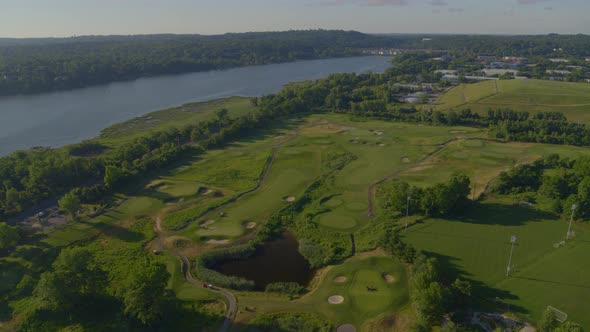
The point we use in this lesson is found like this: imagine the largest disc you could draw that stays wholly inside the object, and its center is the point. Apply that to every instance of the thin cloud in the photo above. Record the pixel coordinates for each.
(375, 3)
(438, 3)
(531, 2)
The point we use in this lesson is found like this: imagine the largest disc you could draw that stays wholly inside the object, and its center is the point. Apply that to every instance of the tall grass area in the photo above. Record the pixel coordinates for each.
(572, 99)
(175, 117)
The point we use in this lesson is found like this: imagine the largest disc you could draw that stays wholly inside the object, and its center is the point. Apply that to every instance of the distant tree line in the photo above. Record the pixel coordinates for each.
(36, 65)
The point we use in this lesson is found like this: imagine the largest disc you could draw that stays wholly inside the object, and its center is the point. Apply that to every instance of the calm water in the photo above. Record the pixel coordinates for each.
(60, 118)
(276, 261)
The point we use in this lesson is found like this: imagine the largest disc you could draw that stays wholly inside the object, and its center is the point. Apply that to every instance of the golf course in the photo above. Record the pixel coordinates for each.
(320, 180)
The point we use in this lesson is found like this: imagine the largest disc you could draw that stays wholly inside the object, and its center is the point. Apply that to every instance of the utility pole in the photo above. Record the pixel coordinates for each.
(407, 211)
(513, 241)
(569, 228)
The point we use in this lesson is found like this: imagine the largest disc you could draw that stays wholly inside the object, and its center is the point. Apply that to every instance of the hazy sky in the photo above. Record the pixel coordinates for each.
(35, 18)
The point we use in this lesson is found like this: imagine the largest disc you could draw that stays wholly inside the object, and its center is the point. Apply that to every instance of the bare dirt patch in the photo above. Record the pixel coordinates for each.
(340, 279)
(206, 191)
(250, 225)
(289, 199)
(336, 299)
(206, 224)
(346, 328)
(214, 241)
(389, 278)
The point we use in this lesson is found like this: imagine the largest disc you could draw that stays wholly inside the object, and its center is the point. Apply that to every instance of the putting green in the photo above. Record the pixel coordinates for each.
(366, 294)
(333, 202)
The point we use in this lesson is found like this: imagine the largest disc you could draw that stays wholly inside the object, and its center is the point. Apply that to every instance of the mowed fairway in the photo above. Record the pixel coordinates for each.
(482, 161)
(381, 149)
(572, 99)
(370, 286)
(478, 245)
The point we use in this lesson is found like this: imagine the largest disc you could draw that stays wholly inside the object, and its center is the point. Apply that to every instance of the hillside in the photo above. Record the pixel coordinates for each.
(572, 99)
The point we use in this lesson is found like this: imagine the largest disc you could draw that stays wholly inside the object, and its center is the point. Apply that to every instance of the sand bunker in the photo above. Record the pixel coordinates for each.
(335, 299)
(381, 144)
(389, 278)
(378, 133)
(289, 199)
(207, 223)
(340, 279)
(405, 160)
(213, 241)
(346, 328)
(250, 225)
(206, 191)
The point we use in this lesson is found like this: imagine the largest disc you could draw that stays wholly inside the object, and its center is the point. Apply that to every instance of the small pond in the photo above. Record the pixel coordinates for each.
(277, 261)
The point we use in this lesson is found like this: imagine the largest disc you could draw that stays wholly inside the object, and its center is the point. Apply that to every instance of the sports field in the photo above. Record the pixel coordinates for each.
(477, 246)
(572, 99)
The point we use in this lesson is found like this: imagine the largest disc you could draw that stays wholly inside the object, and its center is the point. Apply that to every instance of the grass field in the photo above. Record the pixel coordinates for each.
(477, 246)
(360, 305)
(572, 99)
(176, 117)
(482, 161)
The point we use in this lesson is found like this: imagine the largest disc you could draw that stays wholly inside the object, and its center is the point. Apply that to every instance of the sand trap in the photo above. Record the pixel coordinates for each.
(289, 199)
(389, 278)
(340, 279)
(250, 225)
(206, 191)
(207, 223)
(279, 137)
(213, 241)
(346, 328)
(381, 144)
(335, 299)
(378, 133)
(405, 160)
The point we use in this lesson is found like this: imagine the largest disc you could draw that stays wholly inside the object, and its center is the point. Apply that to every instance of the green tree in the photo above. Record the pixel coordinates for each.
(9, 236)
(75, 277)
(70, 203)
(548, 321)
(569, 326)
(143, 291)
(113, 176)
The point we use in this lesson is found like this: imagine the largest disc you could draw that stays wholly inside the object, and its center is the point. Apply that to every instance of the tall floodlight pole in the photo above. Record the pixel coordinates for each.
(513, 241)
(569, 228)
(407, 211)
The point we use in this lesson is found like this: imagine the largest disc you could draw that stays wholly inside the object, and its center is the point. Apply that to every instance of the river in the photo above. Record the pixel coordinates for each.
(59, 118)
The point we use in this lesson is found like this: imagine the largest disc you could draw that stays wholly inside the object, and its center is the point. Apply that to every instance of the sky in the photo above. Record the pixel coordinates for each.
(61, 18)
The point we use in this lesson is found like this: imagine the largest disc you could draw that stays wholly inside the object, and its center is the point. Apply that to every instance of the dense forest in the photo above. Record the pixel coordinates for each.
(38, 65)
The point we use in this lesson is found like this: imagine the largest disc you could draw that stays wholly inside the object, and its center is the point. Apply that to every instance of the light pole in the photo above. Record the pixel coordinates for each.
(407, 211)
(569, 228)
(513, 241)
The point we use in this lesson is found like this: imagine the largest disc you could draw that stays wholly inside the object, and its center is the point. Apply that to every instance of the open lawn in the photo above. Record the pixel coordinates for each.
(572, 99)
(477, 246)
(369, 287)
